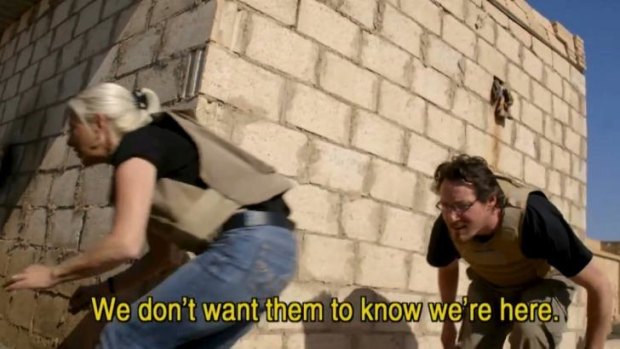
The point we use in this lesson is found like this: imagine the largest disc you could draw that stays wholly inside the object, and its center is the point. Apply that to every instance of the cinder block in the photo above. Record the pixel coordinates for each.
(405, 230)
(561, 65)
(35, 227)
(321, 23)
(480, 143)
(422, 276)
(578, 80)
(319, 113)
(88, 17)
(134, 19)
(456, 7)
(166, 79)
(61, 12)
(65, 229)
(338, 168)
(47, 67)
(541, 96)
(96, 185)
(561, 110)
(279, 146)
(282, 10)
(579, 168)
(571, 190)
(24, 58)
(314, 209)
(72, 81)
(49, 312)
(459, 36)
(508, 45)
(381, 267)
(98, 38)
(424, 12)
(545, 151)
(443, 57)
(362, 11)
(553, 130)
(561, 159)
(327, 259)
(510, 161)
(138, 51)
(402, 31)
(471, 108)
(531, 115)
(242, 84)
(361, 219)
(55, 157)
(425, 155)
(553, 81)
(532, 64)
(402, 106)
(383, 185)
(525, 140)
(445, 128)
(491, 59)
(349, 81)
(378, 136)
(376, 53)
(535, 173)
(27, 79)
(188, 29)
(97, 224)
(115, 6)
(22, 308)
(519, 80)
(483, 24)
(282, 49)
(432, 85)
(63, 188)
(41, 47)
(167, 9)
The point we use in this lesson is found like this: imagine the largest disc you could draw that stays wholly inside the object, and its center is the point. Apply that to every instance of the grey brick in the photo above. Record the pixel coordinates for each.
(36, 223)
(55, 119)
(89, 17)
(167, 9)
(42, 26)
(70, 53)
(24, 39)
(97, 185)
(40, 189)
(24, 58)
(98, 223)
(9, 68)
(28, 76)
(188, 29)
(72, 81)
(102, 66)
(98, 38)
(9, 50)
(114, 6)
(63, 188)
(10, 109)
(166, 80)
(65, 229)
(11, 87)
(56, 154)
(61, 12)
(47, 67)
(138, 51)
(33, 125)
(64, 33)
(133, 20)
(42, 47)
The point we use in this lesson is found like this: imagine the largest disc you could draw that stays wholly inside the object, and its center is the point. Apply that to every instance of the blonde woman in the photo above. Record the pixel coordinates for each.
(176, 186)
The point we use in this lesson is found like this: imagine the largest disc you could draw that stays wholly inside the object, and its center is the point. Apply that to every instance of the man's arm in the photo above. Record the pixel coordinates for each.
(448, 278)
(599, 305)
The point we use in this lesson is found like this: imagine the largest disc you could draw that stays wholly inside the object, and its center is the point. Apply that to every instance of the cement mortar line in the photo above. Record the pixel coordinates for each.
(527, 28)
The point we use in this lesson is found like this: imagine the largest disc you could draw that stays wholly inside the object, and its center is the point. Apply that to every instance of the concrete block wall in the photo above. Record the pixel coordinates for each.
(357, 101)
(51, 207)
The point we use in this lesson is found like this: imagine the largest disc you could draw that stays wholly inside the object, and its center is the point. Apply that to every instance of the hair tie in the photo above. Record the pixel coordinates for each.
(140, 99)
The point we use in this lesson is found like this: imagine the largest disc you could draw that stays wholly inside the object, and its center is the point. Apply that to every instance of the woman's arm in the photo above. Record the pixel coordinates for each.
(134, 183)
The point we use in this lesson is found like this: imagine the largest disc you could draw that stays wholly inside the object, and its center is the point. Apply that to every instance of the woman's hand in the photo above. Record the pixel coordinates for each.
(34, 277)
(81, 298)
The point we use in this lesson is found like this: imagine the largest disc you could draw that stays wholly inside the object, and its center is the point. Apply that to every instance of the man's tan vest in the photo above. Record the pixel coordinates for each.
(189, 216)
(500, 260)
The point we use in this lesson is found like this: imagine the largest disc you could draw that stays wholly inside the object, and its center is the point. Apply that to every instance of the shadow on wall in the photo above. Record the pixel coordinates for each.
(357, 334)
(40, 174)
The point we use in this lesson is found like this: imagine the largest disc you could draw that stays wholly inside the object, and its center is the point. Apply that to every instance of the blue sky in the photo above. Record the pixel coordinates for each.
(597, 22)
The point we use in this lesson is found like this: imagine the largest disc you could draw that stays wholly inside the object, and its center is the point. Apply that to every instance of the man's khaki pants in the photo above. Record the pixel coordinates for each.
(557, 291)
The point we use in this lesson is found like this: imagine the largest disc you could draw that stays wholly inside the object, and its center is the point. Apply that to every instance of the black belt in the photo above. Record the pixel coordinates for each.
(256, 218)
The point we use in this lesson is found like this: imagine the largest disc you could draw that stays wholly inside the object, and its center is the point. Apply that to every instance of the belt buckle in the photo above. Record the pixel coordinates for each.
(251, 218)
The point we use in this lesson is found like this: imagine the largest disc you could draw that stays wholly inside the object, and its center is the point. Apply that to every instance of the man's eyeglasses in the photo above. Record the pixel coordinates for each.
(458, 208)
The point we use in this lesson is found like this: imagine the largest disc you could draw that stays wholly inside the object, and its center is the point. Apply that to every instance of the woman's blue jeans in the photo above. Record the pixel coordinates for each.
(245, 263)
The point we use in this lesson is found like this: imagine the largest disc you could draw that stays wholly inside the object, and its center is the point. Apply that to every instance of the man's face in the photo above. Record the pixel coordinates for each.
(464, 214)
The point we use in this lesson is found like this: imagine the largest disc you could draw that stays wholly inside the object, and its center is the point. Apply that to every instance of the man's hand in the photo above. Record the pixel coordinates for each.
(34, 277)
(448, 335)
(81, 298)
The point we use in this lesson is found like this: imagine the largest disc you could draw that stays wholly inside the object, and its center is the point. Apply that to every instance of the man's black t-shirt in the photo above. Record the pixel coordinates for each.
(170, 149)
(545, 235)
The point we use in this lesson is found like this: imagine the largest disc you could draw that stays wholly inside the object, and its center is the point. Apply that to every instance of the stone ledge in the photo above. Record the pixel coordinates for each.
(552, 33)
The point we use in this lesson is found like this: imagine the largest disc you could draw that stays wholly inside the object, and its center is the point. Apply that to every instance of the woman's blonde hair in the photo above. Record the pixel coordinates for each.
(126, 110)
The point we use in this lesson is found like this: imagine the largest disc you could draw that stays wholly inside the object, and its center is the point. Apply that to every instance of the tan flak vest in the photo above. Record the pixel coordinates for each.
(189, 216)
(500, 260)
